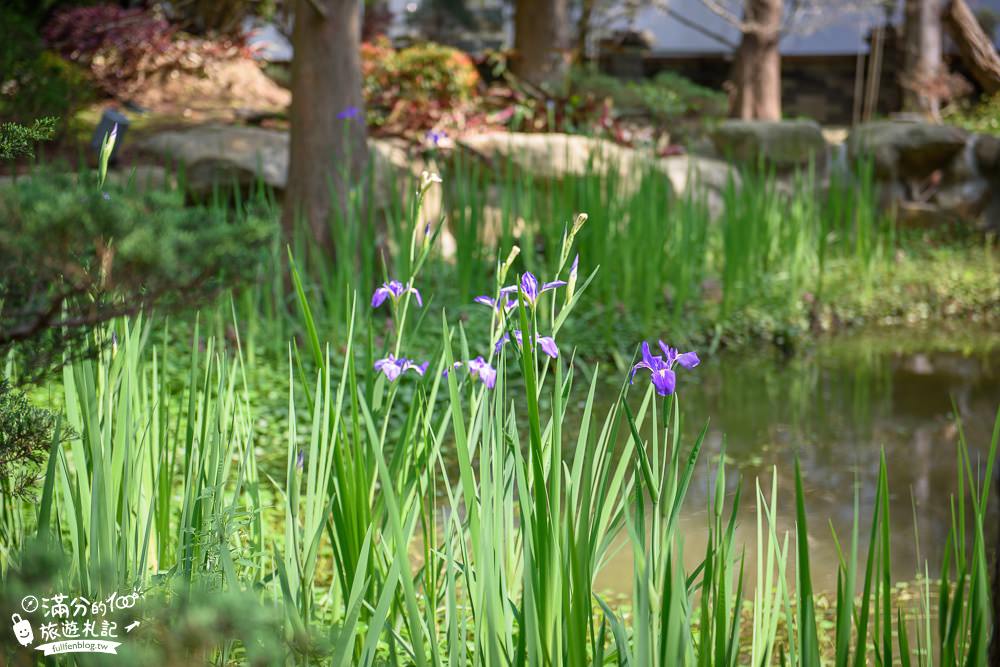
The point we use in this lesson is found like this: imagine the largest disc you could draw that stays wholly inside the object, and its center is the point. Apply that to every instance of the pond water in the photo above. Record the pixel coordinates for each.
(836, 406)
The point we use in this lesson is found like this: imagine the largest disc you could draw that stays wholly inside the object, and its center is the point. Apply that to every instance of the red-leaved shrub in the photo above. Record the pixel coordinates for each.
(121, 47)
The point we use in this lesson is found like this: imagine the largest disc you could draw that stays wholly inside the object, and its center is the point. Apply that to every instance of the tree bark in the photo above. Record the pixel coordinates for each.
(757, 64)
(975, 46)
(923, 63)
(327, 153)
(541, 42)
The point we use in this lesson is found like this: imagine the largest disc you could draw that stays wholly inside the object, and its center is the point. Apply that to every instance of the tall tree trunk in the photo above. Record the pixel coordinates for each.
(757, 64)
(541, 42)
(977, 49)
(583, 31)
(327, 152)
(923, 64)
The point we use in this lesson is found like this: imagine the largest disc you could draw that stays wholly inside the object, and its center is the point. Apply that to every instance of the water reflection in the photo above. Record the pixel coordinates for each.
(836, 407)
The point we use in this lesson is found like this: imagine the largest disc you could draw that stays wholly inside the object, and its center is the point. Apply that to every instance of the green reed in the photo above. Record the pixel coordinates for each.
(431, 520)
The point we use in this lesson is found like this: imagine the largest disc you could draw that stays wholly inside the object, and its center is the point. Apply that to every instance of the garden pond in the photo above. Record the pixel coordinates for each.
(836, 406)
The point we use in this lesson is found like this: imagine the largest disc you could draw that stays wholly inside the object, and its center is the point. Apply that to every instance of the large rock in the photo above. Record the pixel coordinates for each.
(701, 176)
(906, 150)
(785, 145)
(214, 155)
(221, 155)
(555, 155)
(551, 155)
(987, 152)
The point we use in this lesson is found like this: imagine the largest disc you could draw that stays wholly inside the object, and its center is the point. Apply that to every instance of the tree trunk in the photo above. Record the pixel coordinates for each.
(327, 152)
(583, 31)
(540, 42)
(978, 52)
(757, 64)
(923, 64)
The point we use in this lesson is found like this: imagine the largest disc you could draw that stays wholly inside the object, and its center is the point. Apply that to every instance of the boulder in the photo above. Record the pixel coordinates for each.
(987, 152)
(785, 145)
(904, 149)
(706, 175)
(557, 155)
(219, 155)
(550, 155)
(214, 155)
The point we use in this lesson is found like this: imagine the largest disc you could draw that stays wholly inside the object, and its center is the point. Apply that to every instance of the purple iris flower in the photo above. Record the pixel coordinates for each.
(349, 113)
(530, 287)
(546, 343)
(394, 289)
(661, 370)
(478, 368)
(434, 137)
(392, 367)
(481, 368)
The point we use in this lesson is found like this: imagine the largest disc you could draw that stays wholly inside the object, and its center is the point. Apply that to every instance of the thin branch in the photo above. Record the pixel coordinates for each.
(683, 20)
(726, 15)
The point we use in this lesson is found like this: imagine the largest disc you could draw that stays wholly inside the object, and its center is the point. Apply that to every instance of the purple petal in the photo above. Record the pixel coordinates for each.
(349, 112)
(488, 375)
(380, 295)
(641, 364)
(648, 357)
(500, 343)
(419, 368)
(396, 288)
(476, 364)
(486, 301)
(688, 359)
(390, 369)
(548, 346)
(380, 363)
(416, 295)
(573, 266)
(664, 380)
(552, 285)
(529, 285)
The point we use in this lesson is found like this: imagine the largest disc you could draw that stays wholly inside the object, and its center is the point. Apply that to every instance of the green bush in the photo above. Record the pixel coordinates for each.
(983, 117)
(72, 256)
(35, 82)
(665, 99)
(417, 85)
(25, 437)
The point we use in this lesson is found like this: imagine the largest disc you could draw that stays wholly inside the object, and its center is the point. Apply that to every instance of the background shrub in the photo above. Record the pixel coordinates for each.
(415, 86)
(72, 256)
(35, 82)
(122, 47)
